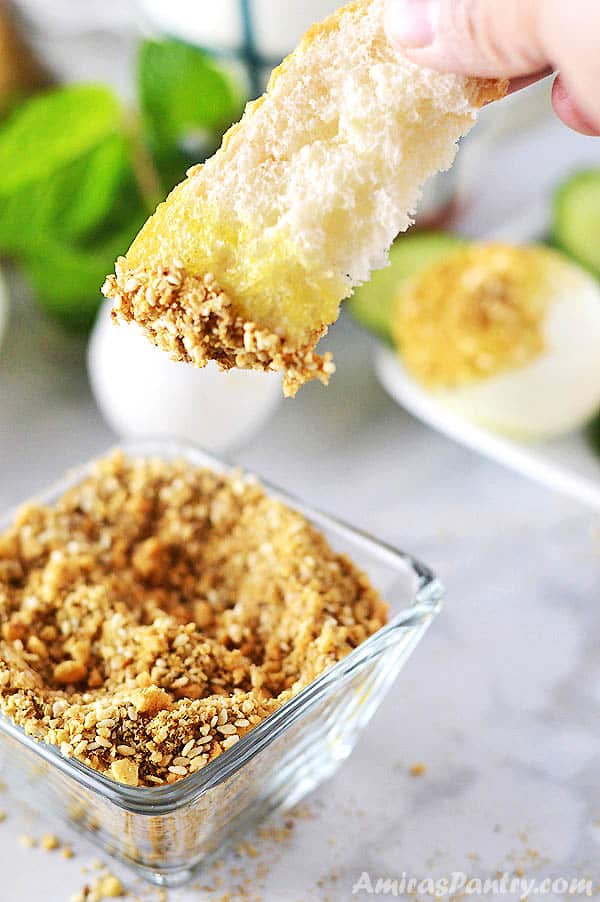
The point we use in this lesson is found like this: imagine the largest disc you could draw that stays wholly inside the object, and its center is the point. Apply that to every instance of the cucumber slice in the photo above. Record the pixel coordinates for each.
(593, 435)
(576, 225)
(371, 305)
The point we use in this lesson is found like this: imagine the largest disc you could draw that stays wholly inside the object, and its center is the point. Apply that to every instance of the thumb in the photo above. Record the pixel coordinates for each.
(488, 38)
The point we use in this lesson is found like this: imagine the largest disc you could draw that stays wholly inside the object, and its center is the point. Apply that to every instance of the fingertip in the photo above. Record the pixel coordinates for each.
(569, 112)
(411, 23)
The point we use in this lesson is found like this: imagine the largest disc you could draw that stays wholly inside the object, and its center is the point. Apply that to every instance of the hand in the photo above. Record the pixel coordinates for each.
(523, 40)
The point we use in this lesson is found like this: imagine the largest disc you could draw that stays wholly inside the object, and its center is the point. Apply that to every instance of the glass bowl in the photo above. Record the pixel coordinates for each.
(167, 833)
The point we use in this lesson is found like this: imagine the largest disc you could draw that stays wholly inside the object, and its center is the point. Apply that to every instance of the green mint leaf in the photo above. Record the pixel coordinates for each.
(53, 129)
(73, 203)
(69, 202)
(67, 278)
(187, 102)
(98, 181)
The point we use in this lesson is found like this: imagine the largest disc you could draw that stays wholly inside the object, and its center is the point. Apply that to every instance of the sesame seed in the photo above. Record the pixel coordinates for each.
(188, 747)
(227, 729)
(205, 740)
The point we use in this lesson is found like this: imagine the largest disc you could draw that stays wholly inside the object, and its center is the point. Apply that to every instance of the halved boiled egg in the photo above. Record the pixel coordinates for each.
(505, 336)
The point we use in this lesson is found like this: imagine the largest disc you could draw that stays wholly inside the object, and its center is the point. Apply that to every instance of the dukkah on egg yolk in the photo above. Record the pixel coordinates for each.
(475, 314)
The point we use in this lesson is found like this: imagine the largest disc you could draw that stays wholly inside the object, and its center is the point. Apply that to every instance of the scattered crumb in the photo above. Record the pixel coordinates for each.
(67, 852)
(105, 886)
(49, 842)
(2, 816)
(418, 770)
(110, 887)
(246, 848)
(27, 841)
(276, 833)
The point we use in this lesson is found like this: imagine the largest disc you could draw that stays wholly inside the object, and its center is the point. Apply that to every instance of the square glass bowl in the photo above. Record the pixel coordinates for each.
(167, 833)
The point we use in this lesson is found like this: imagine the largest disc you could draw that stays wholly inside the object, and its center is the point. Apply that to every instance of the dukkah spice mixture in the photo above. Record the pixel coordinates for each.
(158, 612)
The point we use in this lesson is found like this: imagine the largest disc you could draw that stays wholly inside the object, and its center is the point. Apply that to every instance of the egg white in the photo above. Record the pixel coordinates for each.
(557, 392)
(141, 392)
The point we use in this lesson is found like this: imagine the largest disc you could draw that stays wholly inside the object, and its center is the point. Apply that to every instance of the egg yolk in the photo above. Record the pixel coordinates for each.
(475, 314)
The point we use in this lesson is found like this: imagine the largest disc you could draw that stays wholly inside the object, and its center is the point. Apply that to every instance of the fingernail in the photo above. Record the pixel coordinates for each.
(559, 88)
(412, 23)
(569, 110)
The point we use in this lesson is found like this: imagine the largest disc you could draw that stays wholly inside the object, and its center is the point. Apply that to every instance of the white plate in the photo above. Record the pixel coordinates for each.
(567, 464)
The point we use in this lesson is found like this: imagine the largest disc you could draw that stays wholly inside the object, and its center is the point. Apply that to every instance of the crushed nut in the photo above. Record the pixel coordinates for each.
(125, 771)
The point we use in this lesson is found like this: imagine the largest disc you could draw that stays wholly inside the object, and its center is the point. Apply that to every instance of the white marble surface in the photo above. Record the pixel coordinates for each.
(501, 701)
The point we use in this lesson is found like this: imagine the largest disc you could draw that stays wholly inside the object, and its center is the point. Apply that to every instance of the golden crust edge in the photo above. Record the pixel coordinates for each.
(481, 90)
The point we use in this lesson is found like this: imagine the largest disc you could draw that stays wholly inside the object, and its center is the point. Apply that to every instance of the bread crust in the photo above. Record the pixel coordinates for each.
(482, 90)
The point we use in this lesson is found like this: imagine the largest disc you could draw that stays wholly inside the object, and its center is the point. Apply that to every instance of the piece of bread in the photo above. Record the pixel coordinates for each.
(248, 260)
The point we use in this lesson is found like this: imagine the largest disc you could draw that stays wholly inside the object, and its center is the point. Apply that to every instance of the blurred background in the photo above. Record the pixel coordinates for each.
(103, 106)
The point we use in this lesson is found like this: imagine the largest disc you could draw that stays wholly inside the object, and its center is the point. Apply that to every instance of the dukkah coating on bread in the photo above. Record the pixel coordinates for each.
(158, 612)
(248, 260)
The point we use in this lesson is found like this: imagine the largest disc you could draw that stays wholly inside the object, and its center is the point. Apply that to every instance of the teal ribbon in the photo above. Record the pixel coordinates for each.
(250, 53)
